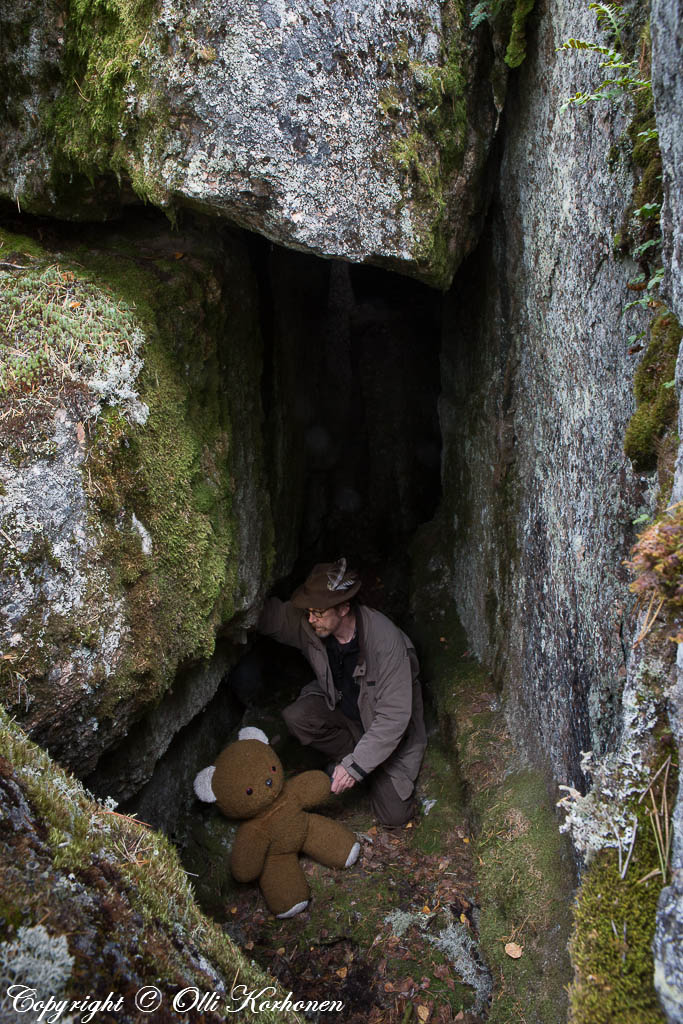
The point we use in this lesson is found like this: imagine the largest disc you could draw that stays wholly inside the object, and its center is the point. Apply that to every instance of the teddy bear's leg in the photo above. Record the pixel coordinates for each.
(330, 843)
(284, 885)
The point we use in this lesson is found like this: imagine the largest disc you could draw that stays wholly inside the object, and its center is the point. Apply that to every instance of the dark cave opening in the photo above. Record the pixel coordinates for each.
(350, 385)
(351, 362)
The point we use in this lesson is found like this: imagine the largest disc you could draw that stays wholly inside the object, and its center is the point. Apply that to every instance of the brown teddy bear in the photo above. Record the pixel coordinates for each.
(247, 781)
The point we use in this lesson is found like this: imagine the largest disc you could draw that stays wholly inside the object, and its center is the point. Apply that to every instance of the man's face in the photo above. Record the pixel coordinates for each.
(325, 623)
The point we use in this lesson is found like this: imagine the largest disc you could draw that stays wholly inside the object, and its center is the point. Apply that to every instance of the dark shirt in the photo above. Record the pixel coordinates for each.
(343, 659)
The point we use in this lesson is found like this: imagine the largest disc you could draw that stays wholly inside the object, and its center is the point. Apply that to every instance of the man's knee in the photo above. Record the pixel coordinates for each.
(395, 817)
(297, 722)
(388, 807)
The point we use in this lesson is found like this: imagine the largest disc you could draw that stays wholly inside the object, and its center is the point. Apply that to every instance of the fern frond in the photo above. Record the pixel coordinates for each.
(611, 18)
(585, 44)
(485, 10)
(479, 14)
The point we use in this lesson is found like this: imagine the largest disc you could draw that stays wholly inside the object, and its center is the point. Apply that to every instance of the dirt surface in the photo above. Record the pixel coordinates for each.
(346, 946)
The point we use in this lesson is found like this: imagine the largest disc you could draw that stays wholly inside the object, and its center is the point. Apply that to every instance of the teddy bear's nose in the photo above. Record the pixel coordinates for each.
(269, 782)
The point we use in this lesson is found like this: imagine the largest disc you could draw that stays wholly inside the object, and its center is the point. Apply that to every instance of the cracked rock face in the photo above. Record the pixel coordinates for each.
(537, 392)
(667, 84)
(130, 531)
(320, 126)
(53, 572)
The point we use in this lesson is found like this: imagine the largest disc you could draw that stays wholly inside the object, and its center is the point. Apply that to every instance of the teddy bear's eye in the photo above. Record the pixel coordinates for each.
(249, 790)
(273, 769)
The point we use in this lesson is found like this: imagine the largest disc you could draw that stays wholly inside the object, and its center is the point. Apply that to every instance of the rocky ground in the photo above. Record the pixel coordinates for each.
(394, 937)
(455, 917)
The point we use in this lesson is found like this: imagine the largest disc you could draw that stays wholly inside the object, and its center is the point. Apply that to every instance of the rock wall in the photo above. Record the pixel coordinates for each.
(667, 84)
(667, 81)
(136, 521)
(538, 370)
(537, 380)
(97, 907)
(348, 129)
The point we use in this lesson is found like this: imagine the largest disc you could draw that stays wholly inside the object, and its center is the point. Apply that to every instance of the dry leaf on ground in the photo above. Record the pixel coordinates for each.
(513, 950)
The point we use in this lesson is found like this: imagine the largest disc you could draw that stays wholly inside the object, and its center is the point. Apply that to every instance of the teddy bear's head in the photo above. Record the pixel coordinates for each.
(246, 778)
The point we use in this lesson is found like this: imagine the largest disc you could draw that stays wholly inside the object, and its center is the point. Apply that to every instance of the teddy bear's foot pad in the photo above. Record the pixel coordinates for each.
(296, 909)
(353, 856)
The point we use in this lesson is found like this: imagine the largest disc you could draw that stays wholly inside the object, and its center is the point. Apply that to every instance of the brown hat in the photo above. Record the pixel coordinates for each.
(327, 585)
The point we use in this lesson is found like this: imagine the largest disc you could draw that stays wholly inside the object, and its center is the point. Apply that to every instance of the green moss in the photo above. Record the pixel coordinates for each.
(431, 147)
(509, 18)
(639, 225)
(56, 323)
(657, 405)
(93, 122)
(141, 871)
(516, 48)
(523, 866)
(177, 474)
(614, 924)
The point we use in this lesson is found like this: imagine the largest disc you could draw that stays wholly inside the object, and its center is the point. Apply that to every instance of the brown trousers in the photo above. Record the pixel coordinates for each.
(310, 720)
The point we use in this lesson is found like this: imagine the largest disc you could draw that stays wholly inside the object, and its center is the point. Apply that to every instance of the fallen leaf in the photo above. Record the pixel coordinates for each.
(74, 305)
(463, 919)
(426, 910)
(249, 945)
(178, 255)
(513, 950)
(280, 951)
(342, 972)
(80, 433)
(423, 1013)
(459, 1016)
(388, 987)
(465, 840)
(233, 910)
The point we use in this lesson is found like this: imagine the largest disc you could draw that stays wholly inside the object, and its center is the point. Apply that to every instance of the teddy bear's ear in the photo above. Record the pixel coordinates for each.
(202, 785)
(251, 733)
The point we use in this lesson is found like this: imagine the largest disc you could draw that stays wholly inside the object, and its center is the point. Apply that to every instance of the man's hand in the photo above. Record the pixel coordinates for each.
(341, 780)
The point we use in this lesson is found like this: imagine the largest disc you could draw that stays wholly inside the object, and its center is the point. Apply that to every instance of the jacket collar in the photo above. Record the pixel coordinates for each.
(360, 668)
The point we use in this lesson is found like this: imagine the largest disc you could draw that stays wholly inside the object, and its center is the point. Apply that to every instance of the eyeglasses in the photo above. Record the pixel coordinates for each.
(316, 613)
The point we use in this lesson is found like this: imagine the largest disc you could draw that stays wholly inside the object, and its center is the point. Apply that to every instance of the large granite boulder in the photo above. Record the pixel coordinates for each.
(134, 514)
(346, 129)
(98, 916)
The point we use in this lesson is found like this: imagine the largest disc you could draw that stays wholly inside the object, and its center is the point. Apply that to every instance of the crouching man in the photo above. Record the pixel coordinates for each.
(363, 710)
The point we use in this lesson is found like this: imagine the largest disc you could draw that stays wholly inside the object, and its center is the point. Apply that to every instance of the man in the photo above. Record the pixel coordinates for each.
(364, 707)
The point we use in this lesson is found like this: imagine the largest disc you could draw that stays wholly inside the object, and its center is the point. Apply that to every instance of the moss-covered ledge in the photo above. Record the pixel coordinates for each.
(623, 829)
(132, 533)
(94, 904)
(524, 867)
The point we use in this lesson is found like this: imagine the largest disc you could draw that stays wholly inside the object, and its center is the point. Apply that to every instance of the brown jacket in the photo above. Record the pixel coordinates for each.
(389, 700)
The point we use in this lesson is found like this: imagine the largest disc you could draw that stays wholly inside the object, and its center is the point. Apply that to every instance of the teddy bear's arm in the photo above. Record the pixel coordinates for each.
(248, 852)
(310, 788)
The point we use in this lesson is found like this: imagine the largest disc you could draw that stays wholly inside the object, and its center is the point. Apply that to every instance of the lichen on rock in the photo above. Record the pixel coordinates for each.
(271, 116)
(126, 548)
(80, 885)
